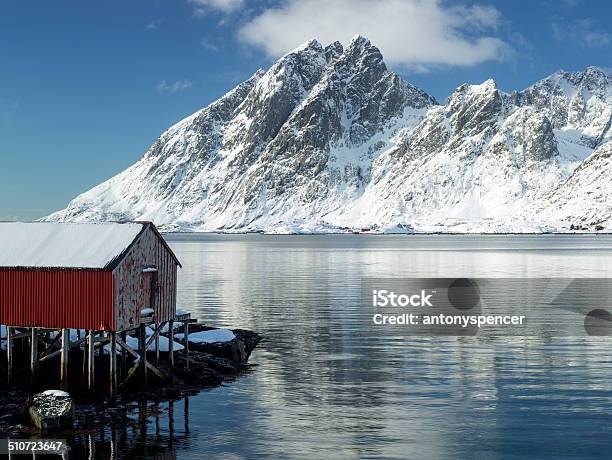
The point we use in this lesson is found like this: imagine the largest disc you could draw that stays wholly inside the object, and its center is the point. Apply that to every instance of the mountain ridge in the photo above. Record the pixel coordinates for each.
(329, 138)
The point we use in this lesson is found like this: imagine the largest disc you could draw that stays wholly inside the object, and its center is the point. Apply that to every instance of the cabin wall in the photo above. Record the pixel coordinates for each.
(54, 299)
(132, 292)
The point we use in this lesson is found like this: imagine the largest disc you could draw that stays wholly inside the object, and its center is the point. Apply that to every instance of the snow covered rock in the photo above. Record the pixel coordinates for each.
(235, 345)
(52, 409)
(209, 336)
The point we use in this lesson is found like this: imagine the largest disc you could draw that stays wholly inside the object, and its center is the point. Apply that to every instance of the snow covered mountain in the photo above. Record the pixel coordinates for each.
(329, 138)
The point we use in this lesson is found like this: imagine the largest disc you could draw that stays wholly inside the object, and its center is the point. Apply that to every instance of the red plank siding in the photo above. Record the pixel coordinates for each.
(74, 299)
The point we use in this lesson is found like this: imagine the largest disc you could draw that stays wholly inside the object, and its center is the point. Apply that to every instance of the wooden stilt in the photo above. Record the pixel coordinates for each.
(34, 354)
(64, 358)
(91, 342)
(186, 344)
(113, 365)
(171, 347)
(9, 354)
(142, 350)
(85, 354)
(157, 347)
(138, 363)
(123, 355)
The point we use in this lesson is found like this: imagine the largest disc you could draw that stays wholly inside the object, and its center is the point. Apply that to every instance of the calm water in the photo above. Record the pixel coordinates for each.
(328, 384)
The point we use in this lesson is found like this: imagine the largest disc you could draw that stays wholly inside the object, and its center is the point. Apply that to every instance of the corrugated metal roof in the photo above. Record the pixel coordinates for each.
(64, 245)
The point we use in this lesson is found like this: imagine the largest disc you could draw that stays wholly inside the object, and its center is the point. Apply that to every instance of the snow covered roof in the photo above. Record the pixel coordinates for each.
(64, 245)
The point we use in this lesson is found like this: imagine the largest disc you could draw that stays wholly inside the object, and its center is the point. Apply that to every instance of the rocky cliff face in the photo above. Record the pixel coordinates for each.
(328, 137)
(584, 201)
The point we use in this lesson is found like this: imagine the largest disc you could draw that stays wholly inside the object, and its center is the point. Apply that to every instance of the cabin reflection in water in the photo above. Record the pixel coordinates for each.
(152, 430)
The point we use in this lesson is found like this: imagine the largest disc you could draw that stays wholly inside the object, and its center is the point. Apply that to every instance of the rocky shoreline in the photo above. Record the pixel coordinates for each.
(210, 365)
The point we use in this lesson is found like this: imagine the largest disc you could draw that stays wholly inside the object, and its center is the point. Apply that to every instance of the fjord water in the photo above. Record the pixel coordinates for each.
(327, 383)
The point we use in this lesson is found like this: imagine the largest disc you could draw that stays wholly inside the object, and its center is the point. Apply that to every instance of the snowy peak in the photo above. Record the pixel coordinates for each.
(475, 109)
(577, 101)
(592, 79)
(294, 140)
(329, 137)
(333, 51)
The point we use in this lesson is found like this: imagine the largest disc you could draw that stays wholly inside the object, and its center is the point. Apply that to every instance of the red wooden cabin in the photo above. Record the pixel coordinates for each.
(96, 276)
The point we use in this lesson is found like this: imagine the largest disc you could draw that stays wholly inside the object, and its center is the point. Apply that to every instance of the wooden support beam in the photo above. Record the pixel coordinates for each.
(171, 347)
(186, 344)
(48, 350)
(131, 371)
(9, 355)
(85, 355)
(157, 345)
(34, 354)
(78, 343)
(138, 358)
(156, 371)
(113, 365)
(64, 358)
(123, 354)
(155, 335)
(21, 335)
(142, 350)
(50, 355)
(127, 348)
(90, 361)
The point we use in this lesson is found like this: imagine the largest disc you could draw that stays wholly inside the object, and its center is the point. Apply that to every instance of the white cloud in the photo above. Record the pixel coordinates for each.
(153, 25)
(209, 44)
(170, 88)
(582, 32)
(415, 33)
(225, 6)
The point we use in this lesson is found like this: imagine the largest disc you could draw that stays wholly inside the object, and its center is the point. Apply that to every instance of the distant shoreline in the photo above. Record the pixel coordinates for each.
(604, 233)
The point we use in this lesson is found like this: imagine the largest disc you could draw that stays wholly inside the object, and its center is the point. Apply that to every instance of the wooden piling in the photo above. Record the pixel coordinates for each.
(142, 350)
(33, 354)
(123, 355)
(90, 361)
(171, 347)
(85, 354)
(9, 354)
(157, 348)
(113, 365)
(64, 358)
(186, 344)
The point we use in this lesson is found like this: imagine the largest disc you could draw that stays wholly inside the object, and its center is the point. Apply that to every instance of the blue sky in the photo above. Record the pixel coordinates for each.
(86, 87)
